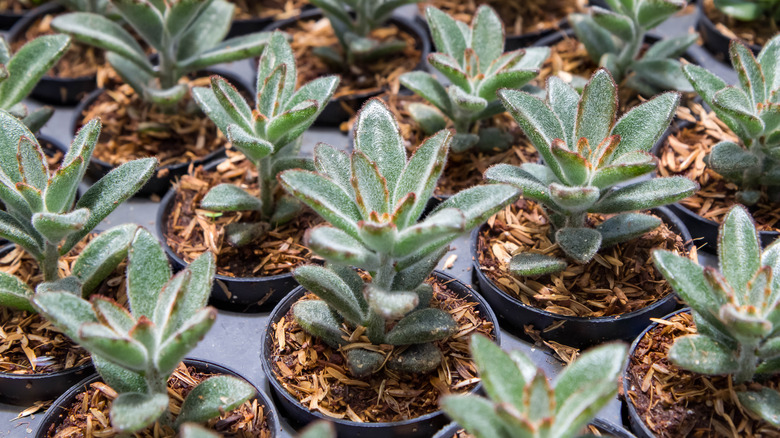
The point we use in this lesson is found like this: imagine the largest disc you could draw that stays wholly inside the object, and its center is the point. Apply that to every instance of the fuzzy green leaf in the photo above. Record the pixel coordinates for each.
(531, 187)
(618, 24)
(738, 236)
(337, 246)
(597, 40)
(119, 349)
(233, 49)
(334, 164)
(625, 227)
(32, 163)
(450, 68)
(704, 355)
(65, 310)
(475, 414)
(426, 325)
(654, 12)
(480, 202)
(581, 244)
(575, 198)
(102, 256)
(182, 341)
(426, 85)
(377, 135)
(764, 403)
(318, 319)
(641, 127)
(487, 37)
(371, 188)
(446, 223)
(447, 35)
(499, 374)
(213, 396)
(28, 65)
(208, 29)
(14, 293)
(55, 227)
(563, 99)
(391, 304)
(119, 379)
(331, 288)
(229, 197)
(644, 195)
(531, 264)
(148, 272)
(597, 108)
(735, 103)
(133, 411)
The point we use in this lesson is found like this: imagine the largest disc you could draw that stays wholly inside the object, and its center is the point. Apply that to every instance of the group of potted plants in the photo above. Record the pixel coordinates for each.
(561, 178)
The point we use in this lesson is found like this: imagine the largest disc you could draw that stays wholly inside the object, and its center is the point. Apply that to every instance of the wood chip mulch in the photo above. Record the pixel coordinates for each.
(28, 343)
(190, 231)
(620, 279)
(371, 78)
(684, 152)
(562, 352)
(466, 169)
(757, 32)
(135, 129)
(674, 402)
(590, 430)
(275, 9)
(88, 416)
(519, 16)
(317, 375)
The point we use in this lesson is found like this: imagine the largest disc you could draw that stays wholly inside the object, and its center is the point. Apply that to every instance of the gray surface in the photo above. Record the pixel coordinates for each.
(251, 327)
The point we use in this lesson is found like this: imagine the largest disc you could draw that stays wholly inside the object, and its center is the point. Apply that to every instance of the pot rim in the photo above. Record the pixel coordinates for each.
(669, 218)
(285, 304)
(704, 21)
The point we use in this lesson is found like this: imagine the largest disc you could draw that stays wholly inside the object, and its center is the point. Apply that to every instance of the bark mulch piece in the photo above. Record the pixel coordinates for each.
(564, 353)
(620, 279)
(19, 6)
(317, 375)
(674, 402)
(276, 9)
(370, 78)
(757, 32)
(88, 416)
(519, 16)
(684, 152)
(190, 231)
(463, 170)
(135, 129)
(28, 343)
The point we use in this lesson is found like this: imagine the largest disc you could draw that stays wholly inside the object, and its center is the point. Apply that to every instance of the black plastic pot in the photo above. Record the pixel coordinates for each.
(579, 332)
(299, 416)
(705, 231)
(714, 40)
(51, 89)
(605, 427)
(59, 409)
(160, 182)
(334, 113)
(251, 25)
(629, 410)
(8, 19)
(26, 389)
(238, 294)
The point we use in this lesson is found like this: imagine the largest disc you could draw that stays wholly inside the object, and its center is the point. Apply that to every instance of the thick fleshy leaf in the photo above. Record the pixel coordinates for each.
(208, 29)
(182, 341)
(233, 49)
(55, 227)
(15, 294)
(148, 272)
(703, 355)
(764, 403)
(625, 227)
(581, 244)
(229, 197)
(337, 246)
(738, 248)
(732, 160)
(195, 294)
(735, 103)
(563, 99)
(14, 231)
(331, 288)
(641, 127)
(32, 163)
(644, 195)
(597, 108)
(480, 202)
(442, 224)
(618, 24)
(377, 135)
(102, 256)
(334, 164)
(532, 264)
(499, 374)
(597, 40)
(214, 395)
(119, 349)
(654, 12)
(426, 325)
(28, 65)
(119, 379)
(575, 198)
(371, 188)
(748, 71)
(447, 35)
(450, 68)
(133, 411)
(427, 86)
(289, 125)
(65, 310)
(487, 36)
(390, 304)
(473, 413)
(318, 319)
(531, 187)
(575, 168)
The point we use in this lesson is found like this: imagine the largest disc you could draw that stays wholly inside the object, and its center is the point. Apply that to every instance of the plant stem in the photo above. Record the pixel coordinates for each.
(51, 258)
(167, 73)
(747, 362)
(629, 53)
(267, 183)
(385, 274)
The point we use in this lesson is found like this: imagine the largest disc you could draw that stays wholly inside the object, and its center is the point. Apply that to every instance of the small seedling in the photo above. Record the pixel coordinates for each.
(473, 59)
(736, 310)
(373, 201)
(269, 136)
(587, 154)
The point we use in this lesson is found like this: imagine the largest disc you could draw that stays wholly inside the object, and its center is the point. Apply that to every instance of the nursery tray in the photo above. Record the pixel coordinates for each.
(223, 344)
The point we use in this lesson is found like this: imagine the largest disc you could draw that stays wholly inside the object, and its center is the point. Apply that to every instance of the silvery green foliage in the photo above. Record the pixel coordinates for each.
(186, 34)
(614, 39)
(319, 429)
(269, 136)
(95, 6)
(352, 22)
(21, 71)
(40, 215)
(521, 403)
(587, 154)
(736, 310)
(750, 10)
(136, 352)
(373, 201)
(752, 110)
(473, 59)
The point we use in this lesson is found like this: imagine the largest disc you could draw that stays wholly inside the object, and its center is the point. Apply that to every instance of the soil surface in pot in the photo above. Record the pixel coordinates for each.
(590, 430)
(135, 129)
(620, 279)
(463, 170)
(367, 78)
(89, 414)
(519, 16)
(386, 396)
(674, 402)
(684, 152)
(190, 231)
(28, 343)
(19, 6)
(275, 9)
(752, 32)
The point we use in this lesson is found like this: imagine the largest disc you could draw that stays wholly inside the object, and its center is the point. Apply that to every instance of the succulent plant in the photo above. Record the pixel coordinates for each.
(319, 429)
(752, 110)
(40, 215)
(615, 40)
(587, 154)
(352, 22)
(750, 10)
(736, 310)
(95, 6)
(187, 36)
(269, 136)
(521, 402)
(136, 351)
(373, 201)
(473, 59)
(20, 72)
